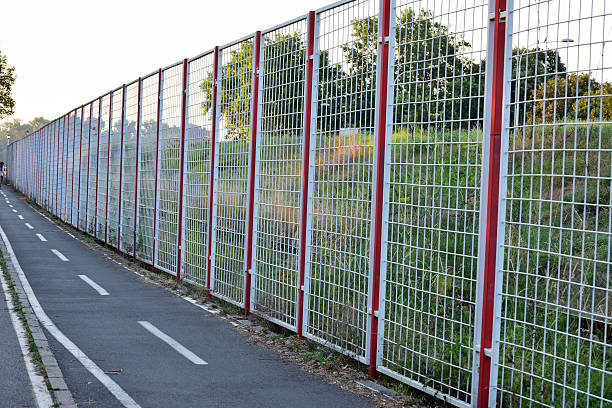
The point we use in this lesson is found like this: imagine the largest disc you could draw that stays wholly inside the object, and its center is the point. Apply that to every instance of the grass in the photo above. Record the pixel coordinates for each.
(556, 258)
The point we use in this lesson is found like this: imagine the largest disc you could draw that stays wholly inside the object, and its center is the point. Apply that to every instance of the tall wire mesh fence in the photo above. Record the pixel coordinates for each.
(128, 173)
(102, 178)
(550, 305)
(114, 178)
(230, 200)
(168, 176)
(279, 174)
(147, 168)
(198, 149)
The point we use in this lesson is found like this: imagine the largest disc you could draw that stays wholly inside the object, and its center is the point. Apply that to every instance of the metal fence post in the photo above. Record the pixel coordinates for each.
(137, 181)
(181, 166)
(108, 153)
(56, 163)
(66, 138)
(251, 177)
(159, 101)
(485, 376)
(383, 117)
(120, 171)
(310, 94)
(211, 192)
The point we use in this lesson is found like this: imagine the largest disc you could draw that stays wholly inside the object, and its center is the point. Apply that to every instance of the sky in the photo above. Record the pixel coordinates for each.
(68, 52)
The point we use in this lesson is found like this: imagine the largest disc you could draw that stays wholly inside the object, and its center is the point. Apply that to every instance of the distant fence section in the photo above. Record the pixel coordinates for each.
(424, 186)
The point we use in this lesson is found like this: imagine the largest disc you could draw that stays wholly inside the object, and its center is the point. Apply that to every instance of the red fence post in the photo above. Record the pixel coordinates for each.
(180, 197)
(306, 164)
(380, 176)
(137, 161)
(159, 90)
(213, 142)
(120, 171)
(57, 170)
(494, 173)
(252, 155)
(108, 146)
(97, 168)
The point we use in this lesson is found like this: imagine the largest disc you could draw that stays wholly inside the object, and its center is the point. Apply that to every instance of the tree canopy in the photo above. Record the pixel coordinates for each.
(7, 79)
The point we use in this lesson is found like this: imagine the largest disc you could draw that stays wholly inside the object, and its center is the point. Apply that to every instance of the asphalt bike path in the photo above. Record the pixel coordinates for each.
(157, 348)
(15, 388)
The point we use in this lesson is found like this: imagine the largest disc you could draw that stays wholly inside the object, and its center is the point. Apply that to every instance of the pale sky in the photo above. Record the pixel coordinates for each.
(68, 52)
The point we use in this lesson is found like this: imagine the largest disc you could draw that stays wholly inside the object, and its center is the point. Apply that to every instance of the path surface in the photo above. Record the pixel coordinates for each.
(161, 350)
(15, 388)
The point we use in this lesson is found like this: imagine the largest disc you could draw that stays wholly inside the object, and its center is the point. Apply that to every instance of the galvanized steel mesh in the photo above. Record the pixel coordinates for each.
(147, 168)
(198, 148)
(551, 319)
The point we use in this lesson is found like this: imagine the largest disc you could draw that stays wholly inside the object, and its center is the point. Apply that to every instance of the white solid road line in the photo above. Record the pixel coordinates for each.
(41, 393)
(29, 226)
(43, 239)
(172, 343)
(94, 285)
(59, 255)
(20, 216)
(48, 324)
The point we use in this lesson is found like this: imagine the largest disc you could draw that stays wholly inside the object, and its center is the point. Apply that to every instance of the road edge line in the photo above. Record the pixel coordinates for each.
(48, 324)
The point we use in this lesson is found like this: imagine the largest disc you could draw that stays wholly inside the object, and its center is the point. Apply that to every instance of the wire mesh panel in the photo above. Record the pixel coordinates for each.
(102, 182)
(434, 195)
(114, 177)
(92, 188)
(169, 168)
(339, 227)
(84, 170)
(197, 169)
(147, 169)
(556, 315)
(128, 174)
(228, 268)
(62, 175)
(76, 169)
(279, 174)
(53, 162)
(69, 166)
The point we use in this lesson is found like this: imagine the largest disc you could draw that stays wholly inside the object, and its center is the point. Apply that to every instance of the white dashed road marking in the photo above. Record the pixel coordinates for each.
(59, 255)
(20, 217)
(94, 285)
(172, 343)
(43, 239)
(29, 226)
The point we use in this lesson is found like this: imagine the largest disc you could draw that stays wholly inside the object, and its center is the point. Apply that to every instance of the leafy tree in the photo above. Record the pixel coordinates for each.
(235, 101)
(17, 130)
(530, 69)
(433, 83)
(7, 79)
(571, 97)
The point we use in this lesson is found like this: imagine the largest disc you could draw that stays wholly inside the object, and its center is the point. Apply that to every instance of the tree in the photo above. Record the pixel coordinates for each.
(17, 130)
(7, 79)
(235, 101)
(569, 98)
(537, 66)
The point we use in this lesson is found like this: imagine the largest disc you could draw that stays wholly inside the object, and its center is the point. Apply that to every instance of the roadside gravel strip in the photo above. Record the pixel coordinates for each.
(46, 378)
